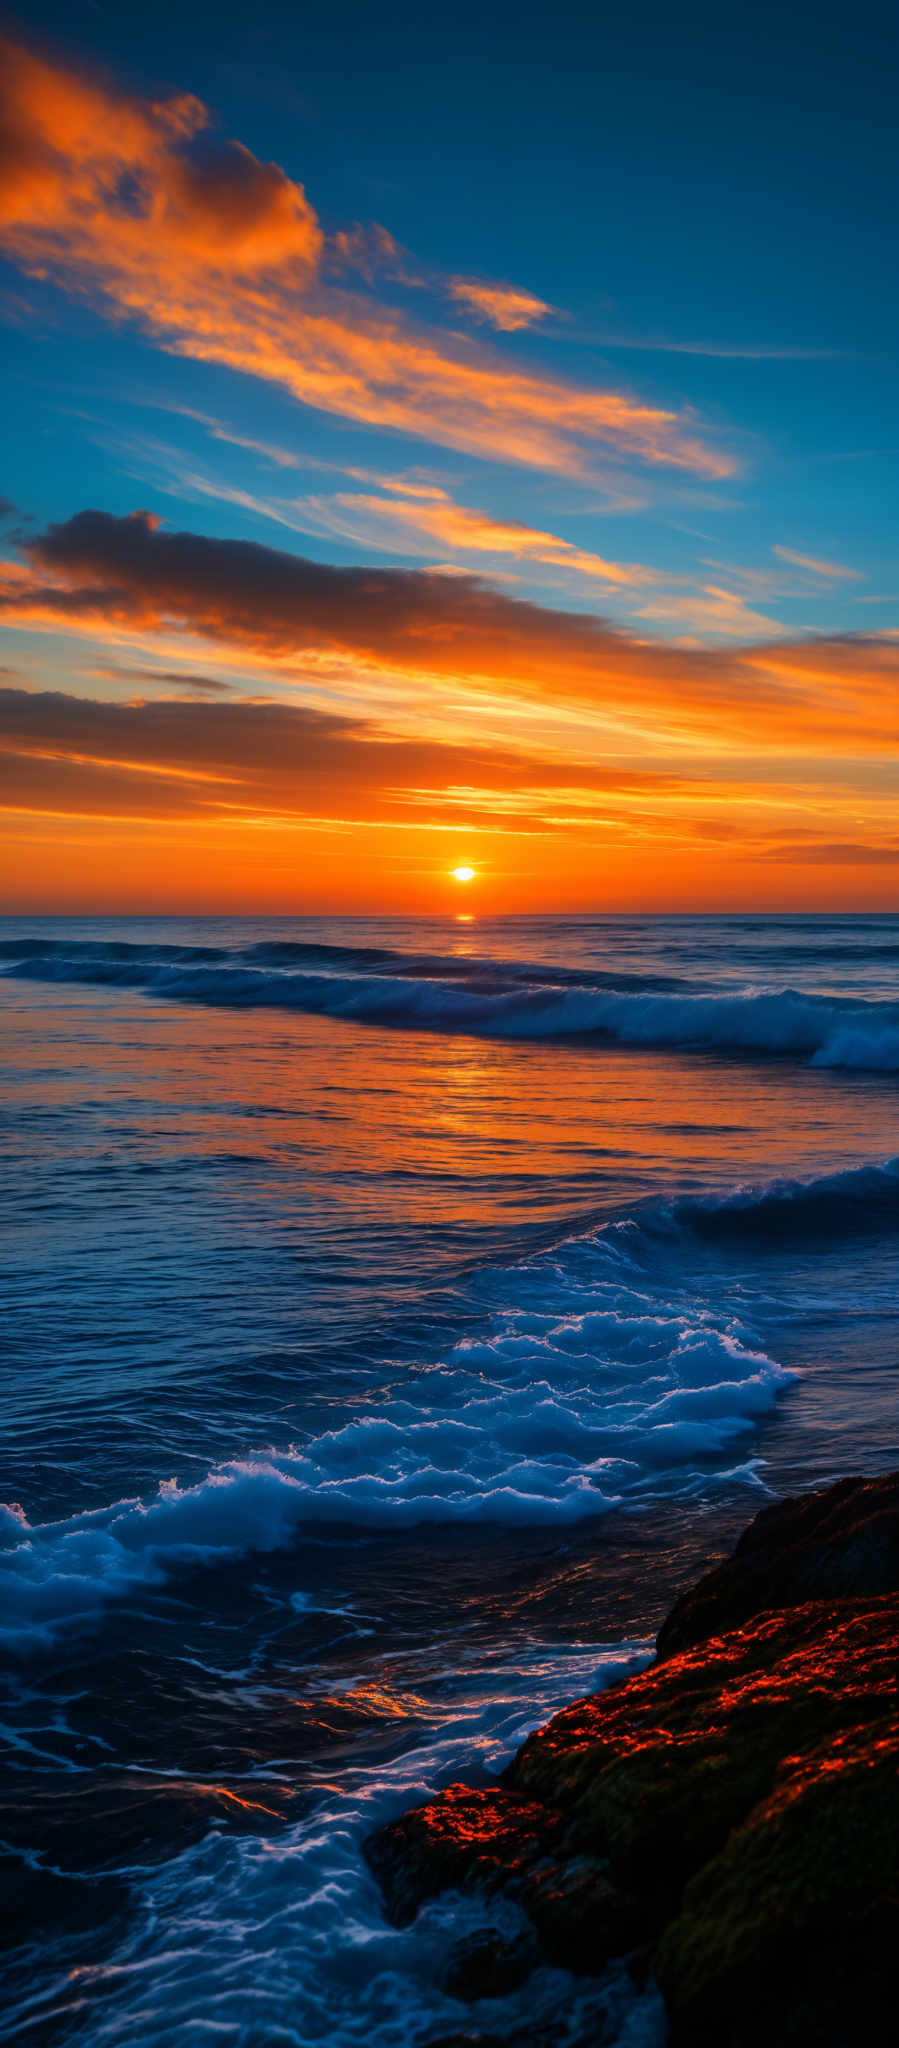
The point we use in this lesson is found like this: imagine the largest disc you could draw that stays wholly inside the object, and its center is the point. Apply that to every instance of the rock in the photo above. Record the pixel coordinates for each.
(729, 1817)
(791, 1934)
(480, 1839)
(469, 2040)
(606, 1814)
(488, 1965)
(821, 1546)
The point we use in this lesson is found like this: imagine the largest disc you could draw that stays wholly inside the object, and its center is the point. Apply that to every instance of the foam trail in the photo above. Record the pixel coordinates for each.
(297, 1949)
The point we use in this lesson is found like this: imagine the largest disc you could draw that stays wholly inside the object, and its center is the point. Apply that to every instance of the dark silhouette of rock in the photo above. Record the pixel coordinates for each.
(791, 1933)
(728, 1817)
(820, 1546)
(488, 1965)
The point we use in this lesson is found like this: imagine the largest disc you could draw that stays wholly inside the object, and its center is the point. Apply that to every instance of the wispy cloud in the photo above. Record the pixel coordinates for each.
(725, 351)
(710, 610)
(268, 451)
(505, 306)
(832, 572)
(418, 520)
(180, 679)
(222, 258)
(405, 513)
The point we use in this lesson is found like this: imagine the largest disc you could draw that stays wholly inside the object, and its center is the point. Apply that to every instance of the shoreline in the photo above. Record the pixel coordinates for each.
(724, 1824)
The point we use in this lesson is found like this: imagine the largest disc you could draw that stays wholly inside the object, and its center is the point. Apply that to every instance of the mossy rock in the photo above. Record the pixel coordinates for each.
(791, 1934)
(729, 1816)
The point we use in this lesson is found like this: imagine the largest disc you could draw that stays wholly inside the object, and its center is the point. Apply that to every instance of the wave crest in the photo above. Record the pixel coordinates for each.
(508, 999)
(595, 1383)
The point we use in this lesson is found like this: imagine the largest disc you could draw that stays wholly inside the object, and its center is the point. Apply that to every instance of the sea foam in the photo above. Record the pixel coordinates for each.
(589, 1382)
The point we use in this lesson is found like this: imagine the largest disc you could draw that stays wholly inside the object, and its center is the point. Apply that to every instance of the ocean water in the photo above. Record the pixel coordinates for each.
(397, 1314)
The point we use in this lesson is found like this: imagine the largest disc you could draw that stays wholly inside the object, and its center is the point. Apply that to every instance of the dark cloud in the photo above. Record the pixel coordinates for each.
(837, 853)
(172, 757)
(176, 678)
(109, 573)
(274, 603)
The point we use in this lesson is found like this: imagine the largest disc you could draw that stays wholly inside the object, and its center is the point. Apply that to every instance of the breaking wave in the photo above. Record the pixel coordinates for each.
(513, 1000)
(591, 1380)
(857, 1198)
(597, 1376)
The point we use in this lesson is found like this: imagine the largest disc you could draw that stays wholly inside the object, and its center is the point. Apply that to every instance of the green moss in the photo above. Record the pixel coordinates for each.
(732, 1813)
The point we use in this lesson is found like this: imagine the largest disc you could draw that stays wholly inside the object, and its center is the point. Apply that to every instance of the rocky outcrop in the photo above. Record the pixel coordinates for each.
(728, 1818)
(843, 1543)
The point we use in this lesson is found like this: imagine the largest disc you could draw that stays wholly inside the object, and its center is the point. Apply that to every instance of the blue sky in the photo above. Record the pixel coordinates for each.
(591, 313)
(674, 184)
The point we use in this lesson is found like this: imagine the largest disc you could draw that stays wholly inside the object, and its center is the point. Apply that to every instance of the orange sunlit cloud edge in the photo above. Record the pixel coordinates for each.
(540, 722)
(104, 574)
(784, 764)
(221, 257)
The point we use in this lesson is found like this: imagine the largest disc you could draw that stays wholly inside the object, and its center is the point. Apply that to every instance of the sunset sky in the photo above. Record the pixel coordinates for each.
(459, 442)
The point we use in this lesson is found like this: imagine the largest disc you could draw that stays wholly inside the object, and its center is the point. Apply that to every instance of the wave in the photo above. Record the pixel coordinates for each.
(297, 1950)
(509, 1000)
(592, 1381)
(596, 1380)
(109, 960)
(857, 1198)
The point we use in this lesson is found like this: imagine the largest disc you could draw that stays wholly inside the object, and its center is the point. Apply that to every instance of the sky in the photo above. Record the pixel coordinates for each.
(437, 442)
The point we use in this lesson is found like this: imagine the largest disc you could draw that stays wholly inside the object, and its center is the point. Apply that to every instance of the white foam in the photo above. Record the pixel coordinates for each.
(751, 1020)
(279, 1935)
(590, 1386)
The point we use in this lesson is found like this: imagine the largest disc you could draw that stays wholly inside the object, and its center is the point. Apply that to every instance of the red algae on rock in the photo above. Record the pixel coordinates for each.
(729, 1816)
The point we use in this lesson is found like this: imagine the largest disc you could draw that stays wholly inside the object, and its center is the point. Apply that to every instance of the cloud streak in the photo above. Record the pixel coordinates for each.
(106, 576)
(505, 306)
(136, 204)
(176, 759)
(419, 517)
(831, 572)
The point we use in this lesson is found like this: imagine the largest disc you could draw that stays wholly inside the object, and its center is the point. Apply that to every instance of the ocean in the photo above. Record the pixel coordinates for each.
(397, 1315)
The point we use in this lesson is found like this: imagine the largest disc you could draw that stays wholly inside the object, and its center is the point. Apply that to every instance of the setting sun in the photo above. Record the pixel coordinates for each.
(461, 1268)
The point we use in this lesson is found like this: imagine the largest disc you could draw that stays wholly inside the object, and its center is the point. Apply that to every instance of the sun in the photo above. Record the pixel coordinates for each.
(463, 874)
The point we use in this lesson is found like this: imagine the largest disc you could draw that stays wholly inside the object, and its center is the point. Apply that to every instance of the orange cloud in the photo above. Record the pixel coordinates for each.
(220, 257)
(108, 575)
(505, 305)
(419, 515)
(833, 572)
(61, 753)
(78, 158)
(175, 803)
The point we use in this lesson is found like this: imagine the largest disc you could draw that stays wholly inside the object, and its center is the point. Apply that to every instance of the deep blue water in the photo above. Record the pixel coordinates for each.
(396, 1315)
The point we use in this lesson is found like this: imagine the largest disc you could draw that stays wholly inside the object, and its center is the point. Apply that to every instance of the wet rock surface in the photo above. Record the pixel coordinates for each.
(729, 1818)
(488, 1965)
(832, 1545)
